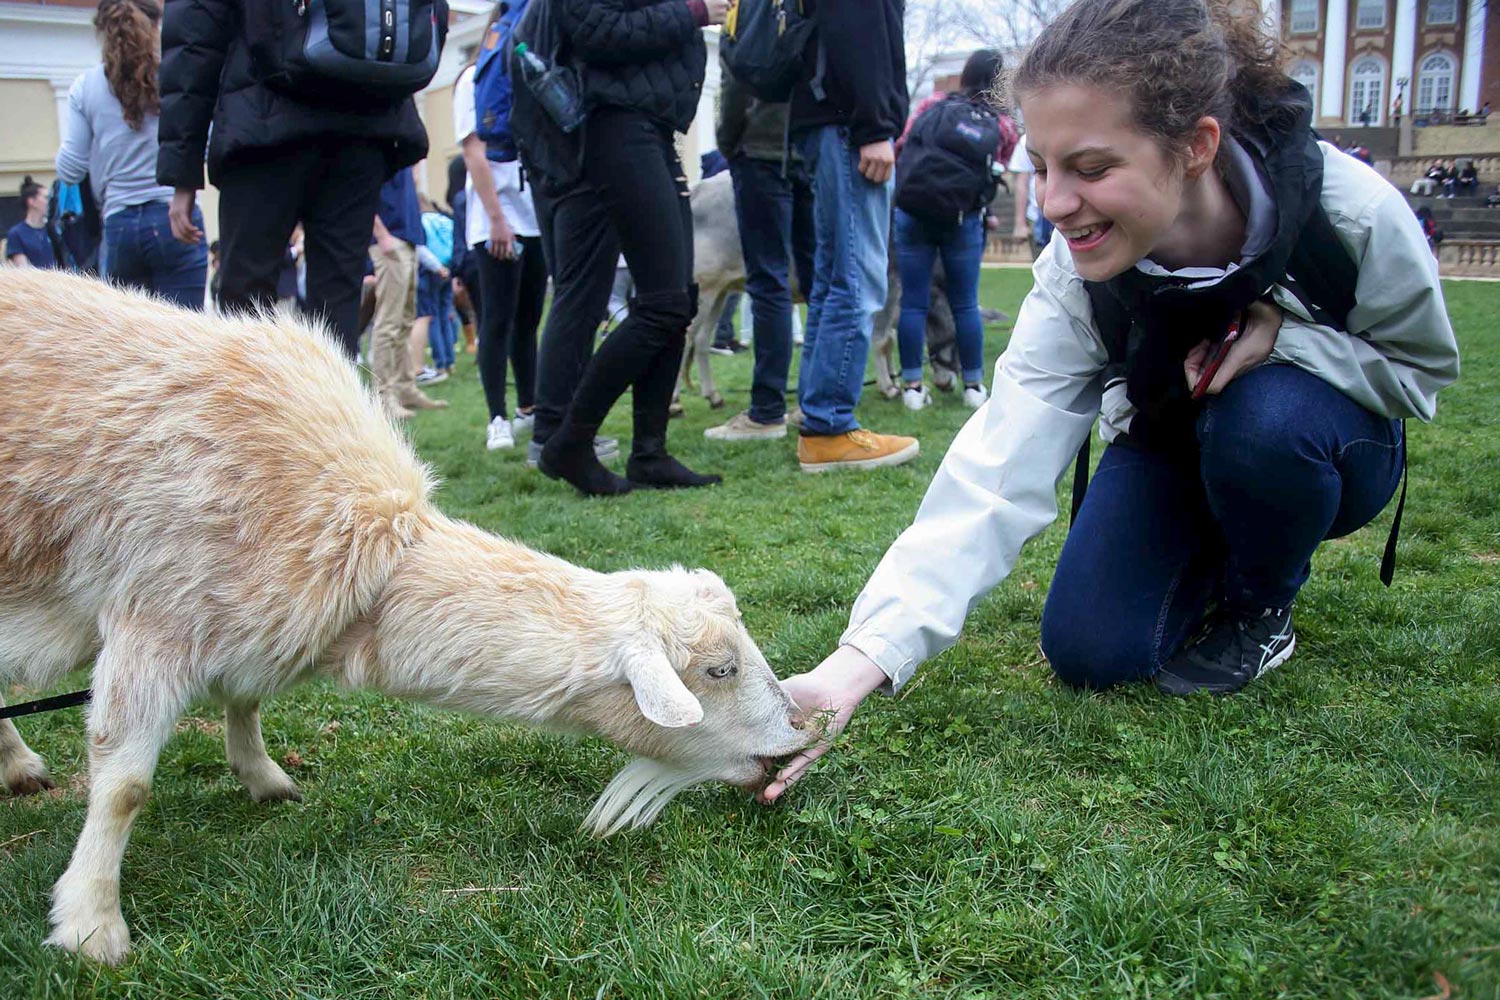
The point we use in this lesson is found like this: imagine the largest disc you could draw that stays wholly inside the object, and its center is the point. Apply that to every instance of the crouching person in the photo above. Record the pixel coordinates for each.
(1196, 534)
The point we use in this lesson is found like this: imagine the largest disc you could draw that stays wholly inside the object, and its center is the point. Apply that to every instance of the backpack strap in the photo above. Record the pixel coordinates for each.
(1388, 559)
(1321, 274)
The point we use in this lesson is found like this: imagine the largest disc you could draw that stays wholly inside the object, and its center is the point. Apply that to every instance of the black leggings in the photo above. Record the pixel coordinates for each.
(633, 165)
(510, 308)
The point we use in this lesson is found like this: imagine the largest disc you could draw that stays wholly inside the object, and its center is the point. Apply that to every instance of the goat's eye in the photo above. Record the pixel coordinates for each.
(722, 670)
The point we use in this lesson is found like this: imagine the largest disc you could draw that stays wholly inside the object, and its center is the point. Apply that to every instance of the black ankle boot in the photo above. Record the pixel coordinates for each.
(661, 471)
(577, 464)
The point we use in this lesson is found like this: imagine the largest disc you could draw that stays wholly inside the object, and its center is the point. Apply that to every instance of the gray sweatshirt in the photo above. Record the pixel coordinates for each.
(120, 161)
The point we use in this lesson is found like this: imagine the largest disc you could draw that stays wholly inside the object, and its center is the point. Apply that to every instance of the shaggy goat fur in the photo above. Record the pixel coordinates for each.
(217, 508)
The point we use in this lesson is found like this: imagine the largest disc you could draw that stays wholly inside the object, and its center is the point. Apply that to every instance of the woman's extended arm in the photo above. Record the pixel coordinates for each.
(996, 488)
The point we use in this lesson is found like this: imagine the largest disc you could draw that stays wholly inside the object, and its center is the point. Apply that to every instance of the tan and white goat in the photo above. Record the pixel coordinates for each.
(217, 508)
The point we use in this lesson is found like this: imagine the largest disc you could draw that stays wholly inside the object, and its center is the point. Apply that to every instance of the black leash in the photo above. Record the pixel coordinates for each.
(45, 705)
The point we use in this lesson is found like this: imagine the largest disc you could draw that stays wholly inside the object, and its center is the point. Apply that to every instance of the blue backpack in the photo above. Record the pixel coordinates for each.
(493, 96)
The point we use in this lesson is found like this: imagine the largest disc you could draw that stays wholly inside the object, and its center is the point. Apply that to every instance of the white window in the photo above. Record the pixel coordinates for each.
(1371, 14)
(1366, 90)
(1435, 83)
(1304, 17)
(1306, 73)
(1442, 11)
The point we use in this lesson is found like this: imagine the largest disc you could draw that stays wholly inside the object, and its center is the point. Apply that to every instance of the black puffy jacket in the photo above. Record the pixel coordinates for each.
(641, 55)
(207, 76)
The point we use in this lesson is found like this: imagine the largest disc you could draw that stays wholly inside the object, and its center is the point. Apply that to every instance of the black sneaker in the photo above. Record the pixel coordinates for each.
(1232, 652)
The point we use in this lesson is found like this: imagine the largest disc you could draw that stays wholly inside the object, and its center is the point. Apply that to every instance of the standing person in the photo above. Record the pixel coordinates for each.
(645, 61)
(501, 230)
(28, 244)
(957, 165)
(1029, 225)
(774, 209)
(435, 297)
(277, 155)
(1179, 164)
(111, 140)
(846, 120)
(398, 233)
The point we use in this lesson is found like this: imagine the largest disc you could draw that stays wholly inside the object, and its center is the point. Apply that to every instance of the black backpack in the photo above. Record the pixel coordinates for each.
(553, 158)
(764, 44)
(355, 54)
(947, 168)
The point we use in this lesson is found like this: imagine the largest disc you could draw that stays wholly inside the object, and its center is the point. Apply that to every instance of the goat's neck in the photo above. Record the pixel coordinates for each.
(476, 623)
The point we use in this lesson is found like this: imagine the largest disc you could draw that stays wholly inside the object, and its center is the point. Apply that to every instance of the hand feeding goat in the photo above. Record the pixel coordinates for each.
(216, 508)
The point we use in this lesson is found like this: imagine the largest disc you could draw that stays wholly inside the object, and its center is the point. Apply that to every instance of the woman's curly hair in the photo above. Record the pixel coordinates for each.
(127, 30)
(1176, 60)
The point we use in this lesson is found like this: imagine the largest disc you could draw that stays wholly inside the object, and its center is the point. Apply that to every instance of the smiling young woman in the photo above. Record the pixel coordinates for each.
(1179, 167)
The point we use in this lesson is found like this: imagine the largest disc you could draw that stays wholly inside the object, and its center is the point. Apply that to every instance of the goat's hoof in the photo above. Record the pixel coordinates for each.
(890, 391)
(28, 777)
(79, 924)
(716, 402)
(675, 410)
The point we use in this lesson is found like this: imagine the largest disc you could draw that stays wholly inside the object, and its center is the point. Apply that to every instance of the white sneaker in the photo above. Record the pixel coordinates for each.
(499, 435)
(975, 396)
(916, 398)
(431, 376)
(522, 423)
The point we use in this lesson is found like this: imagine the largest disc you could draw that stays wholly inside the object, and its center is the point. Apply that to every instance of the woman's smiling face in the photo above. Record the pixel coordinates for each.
(1109, 188)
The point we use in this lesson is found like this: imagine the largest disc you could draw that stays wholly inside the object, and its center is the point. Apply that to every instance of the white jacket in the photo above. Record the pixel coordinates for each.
(997, 486)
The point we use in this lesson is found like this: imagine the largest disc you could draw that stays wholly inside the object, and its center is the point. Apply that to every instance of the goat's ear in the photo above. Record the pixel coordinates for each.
(659, 691)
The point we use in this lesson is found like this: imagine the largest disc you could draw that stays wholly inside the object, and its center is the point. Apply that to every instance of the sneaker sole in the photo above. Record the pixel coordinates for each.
(906, 454)
(1279, 658)
(768, 435)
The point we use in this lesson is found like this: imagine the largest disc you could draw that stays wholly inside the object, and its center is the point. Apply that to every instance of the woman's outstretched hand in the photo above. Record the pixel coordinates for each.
(1257, 338)
(827, 695)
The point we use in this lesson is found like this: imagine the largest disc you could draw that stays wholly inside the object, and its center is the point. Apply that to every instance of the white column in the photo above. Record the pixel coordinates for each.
(1335, 36)
(60, 88)
(1403, 57)
(1468, 92)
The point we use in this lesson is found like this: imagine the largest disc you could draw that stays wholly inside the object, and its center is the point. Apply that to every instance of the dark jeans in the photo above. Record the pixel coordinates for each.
(581, 248)
(511, 295)
(332, 186)
(776, 234)
(1286, 461)
(917, 249)
(633, 166)
(724, 330)
(142, 253)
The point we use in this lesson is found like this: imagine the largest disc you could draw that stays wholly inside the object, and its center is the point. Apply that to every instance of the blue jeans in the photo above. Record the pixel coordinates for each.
(916, 250)
(435, 299)
(143, 254)
(1285, 461)
(851, 217)
(776, 235)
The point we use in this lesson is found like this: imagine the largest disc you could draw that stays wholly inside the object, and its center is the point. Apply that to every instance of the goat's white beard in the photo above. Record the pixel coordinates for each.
(638, 794)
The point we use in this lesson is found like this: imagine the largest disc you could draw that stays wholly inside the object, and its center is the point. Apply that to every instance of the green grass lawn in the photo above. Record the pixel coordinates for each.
(1330, 833)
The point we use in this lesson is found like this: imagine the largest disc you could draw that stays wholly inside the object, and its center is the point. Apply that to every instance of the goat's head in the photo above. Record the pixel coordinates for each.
(694, 699)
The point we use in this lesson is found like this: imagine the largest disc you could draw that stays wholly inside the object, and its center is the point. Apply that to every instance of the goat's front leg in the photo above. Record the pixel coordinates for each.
(22, 772)
(261, 776)
(137, 698)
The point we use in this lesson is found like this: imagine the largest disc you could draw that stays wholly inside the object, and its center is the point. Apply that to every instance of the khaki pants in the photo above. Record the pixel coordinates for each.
(395, 311)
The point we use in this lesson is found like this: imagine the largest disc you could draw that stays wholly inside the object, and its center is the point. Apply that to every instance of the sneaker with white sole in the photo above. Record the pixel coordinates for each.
(605, 449)
(522, 423)
(916, 397)
(975, 396)
(741, 428)
(431, 376)
(499, 435)
(1233, 650)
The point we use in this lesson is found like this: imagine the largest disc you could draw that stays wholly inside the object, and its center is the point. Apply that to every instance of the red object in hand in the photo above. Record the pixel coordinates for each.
(1216, 360)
